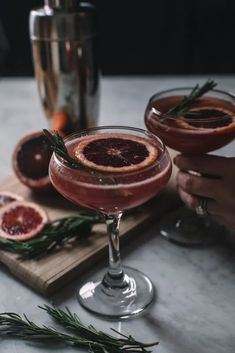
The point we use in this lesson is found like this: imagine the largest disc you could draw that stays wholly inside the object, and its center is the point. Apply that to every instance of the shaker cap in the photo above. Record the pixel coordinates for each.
(63, 20)
(63, 5)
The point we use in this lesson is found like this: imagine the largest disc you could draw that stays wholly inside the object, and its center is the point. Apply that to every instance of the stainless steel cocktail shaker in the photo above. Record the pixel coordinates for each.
(64, 47)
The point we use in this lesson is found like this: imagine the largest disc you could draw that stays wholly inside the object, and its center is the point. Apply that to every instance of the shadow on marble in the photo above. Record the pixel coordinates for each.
(192, 335)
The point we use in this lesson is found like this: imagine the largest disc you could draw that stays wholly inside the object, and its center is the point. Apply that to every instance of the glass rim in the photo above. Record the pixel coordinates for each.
(159, 114)
(84, 132)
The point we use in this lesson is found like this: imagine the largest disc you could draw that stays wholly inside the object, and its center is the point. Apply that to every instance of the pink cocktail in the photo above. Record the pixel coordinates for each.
(212, 126)
(127, 190)
(205, 127)
(121, 168)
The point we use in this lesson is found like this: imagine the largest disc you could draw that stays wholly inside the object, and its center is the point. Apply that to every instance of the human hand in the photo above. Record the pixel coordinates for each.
(215, 182)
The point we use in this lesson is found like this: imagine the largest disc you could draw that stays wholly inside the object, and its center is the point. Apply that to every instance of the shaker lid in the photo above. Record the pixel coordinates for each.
(66, 20)
(64, 5)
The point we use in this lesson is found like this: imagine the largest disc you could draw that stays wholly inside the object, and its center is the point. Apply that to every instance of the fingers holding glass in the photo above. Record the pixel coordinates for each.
(215, 166)
(198, 185)
(208, 196)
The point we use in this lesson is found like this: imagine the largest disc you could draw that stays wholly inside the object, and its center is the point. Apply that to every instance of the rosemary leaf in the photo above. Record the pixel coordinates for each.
(191, 100)
(96, 341)
(58, 146)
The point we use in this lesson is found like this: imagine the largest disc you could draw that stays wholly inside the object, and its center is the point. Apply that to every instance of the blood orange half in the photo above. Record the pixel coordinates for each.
(21, 220)
(116, 153)
(31, 159)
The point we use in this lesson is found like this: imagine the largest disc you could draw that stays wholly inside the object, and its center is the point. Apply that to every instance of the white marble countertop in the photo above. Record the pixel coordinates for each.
(195, 307)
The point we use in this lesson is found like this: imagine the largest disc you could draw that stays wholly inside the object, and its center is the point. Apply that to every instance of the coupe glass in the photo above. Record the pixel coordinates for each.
(122, 292)
(192, 135)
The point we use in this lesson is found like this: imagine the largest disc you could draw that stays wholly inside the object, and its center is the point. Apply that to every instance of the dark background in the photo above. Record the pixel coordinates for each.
(138, 37)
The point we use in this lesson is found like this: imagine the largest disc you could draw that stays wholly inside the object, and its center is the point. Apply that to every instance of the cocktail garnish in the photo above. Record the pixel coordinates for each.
(58, 146)
(191, 100)
(116, 153)
(79, 335)
(209, 117)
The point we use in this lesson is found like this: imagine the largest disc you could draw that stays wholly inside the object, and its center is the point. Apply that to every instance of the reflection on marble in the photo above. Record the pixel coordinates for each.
(194, 311)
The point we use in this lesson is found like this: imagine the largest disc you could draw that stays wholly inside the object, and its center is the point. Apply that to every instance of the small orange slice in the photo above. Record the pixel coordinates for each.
(116, 153)
(209, 117)
(21, 220)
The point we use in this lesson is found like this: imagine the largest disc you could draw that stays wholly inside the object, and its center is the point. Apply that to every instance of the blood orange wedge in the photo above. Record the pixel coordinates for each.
(116, 153)
(8, 197)
(207, 117)
(21, 220)
(31, 159)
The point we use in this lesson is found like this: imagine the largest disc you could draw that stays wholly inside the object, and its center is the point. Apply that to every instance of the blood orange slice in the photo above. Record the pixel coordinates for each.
(116, 153)
(207, 117)
(8, 197)
(21, 220)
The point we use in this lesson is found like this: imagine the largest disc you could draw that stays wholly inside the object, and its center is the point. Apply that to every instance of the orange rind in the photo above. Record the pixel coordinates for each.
(211, 121)
(30, 161)
(116, 153)
(21, 220)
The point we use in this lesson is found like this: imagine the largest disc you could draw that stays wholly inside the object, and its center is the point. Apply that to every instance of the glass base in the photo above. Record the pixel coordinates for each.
(184, 227)
(117, 300)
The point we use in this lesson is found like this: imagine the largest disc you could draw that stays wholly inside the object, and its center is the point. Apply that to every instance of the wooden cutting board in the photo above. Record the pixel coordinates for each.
(47, 274)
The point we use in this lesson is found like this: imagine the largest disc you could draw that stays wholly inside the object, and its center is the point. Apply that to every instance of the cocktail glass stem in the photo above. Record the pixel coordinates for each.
(123, 291)
(114, 277)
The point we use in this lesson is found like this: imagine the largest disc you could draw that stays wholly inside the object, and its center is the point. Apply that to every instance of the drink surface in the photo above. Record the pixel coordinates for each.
(209, 125)
(112, 192)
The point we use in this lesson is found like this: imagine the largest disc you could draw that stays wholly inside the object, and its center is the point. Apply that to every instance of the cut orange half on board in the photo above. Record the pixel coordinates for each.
(31, 159)
(21, 220)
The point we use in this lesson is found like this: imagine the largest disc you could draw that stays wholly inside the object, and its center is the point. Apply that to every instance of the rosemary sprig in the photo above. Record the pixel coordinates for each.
(191, 100)
(55, 234)
(13, 325)
(58, 146)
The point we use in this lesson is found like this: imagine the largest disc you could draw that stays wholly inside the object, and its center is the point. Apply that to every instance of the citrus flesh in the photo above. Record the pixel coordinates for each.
(206, 117)
(21, 220)
(31, 159)
(116, 153)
